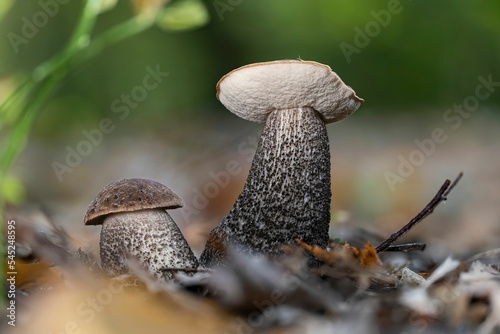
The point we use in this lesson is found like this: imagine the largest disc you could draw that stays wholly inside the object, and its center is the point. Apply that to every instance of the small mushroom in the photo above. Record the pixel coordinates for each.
(135, 224)
(287, 193)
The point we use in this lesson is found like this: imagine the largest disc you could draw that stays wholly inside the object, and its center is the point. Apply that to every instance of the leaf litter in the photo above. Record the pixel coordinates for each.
(61, 289)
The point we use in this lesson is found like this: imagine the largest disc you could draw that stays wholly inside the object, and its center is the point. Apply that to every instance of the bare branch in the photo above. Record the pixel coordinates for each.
(429, 208)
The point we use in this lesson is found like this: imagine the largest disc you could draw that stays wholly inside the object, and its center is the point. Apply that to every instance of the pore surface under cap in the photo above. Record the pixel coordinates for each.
(254, 90)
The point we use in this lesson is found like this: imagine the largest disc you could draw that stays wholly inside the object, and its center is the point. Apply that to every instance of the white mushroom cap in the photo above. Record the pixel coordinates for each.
(254, 90)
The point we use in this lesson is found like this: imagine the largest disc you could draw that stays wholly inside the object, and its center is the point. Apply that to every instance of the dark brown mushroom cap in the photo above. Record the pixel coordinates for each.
(130, 195)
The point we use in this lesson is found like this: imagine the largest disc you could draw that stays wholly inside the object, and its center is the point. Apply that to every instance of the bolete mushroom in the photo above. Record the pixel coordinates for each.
(287, 193)
(135, 224)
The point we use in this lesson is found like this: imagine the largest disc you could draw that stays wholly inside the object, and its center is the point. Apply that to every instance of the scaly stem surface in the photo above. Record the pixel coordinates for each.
(287, 193)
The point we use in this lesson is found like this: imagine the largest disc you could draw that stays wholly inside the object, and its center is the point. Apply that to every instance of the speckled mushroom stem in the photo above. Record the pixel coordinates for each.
(156, 242)
(287, 193)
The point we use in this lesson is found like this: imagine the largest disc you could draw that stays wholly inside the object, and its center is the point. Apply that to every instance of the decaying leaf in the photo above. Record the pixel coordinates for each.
(60, 289)
(366, 256)
(38, 274)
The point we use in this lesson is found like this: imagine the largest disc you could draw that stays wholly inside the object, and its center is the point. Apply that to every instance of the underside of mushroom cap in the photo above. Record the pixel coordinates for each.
(130, 195)
(254, 90)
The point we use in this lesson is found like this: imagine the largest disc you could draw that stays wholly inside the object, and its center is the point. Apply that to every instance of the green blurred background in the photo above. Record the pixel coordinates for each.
(428, 55)
(410, 61)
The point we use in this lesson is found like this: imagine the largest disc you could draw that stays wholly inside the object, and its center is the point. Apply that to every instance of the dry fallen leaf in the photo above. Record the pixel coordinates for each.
(37, 274)
(366, 256)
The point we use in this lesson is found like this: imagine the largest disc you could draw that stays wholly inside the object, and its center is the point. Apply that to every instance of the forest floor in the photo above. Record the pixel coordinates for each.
(451, 286)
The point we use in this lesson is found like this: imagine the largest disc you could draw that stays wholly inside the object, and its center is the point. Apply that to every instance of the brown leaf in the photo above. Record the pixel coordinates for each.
(318, 252)
(366, 256)
(369, 257)
(36, 275)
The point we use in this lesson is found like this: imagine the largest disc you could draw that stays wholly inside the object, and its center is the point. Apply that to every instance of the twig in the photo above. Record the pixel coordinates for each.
(414, 246)
(429, 208)
(453, 184)
(488, 253)
(187, 270)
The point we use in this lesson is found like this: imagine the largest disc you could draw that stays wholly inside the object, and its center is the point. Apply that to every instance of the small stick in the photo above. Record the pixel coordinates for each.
(429, 208)
(414, 246)
(453, 184)
(187, 270)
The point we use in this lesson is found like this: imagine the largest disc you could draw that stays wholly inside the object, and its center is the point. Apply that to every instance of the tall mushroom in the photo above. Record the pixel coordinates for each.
(287, 193)
(135, 224)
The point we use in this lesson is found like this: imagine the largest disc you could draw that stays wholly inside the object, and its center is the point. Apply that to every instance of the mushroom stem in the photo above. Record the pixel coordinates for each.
(156, 242)
(287, 193)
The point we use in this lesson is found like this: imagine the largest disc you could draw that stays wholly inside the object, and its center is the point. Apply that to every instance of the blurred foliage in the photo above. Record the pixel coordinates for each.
(400, 56)
(182, 15)
(429, 54)
(21, 108)
(13, 190)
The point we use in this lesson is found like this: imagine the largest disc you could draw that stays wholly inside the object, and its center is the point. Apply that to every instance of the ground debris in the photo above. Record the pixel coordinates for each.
(353, 288)
(366, 256)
